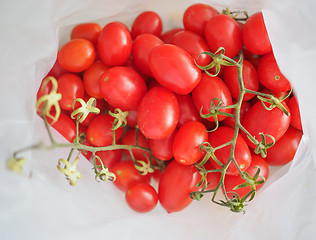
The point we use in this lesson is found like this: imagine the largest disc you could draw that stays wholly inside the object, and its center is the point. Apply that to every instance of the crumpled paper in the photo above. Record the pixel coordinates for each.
(42, 205)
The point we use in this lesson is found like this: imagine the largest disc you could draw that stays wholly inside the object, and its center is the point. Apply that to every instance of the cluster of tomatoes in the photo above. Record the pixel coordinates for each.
(154, 76)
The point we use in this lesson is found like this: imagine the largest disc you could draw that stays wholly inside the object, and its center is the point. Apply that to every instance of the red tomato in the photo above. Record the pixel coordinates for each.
(242, 152)
(168, 62)
(88, 31)
(187, 142)
(109, 158)
(127, 175)
(99, 132)
(213, 178)
(250, 79)
(56, 70)
(91, 79)
(131, 64)
(162, 148)
(131, 118)
(76, 55)
(259, 120)
(122, 87)
(114, 44)
(141, 197)
(295, 113)
(187, 110)
(233, 181)
(65, 126)
(230, 121)
(207, 89)
(172, 195)
(283, 151)
(270, 75)
(223, 31)
(255, 35)
(196, 16)
(167, 36)
(147, 22)
(157, 119)
(141, 48)
(71, 87)
(194, 44)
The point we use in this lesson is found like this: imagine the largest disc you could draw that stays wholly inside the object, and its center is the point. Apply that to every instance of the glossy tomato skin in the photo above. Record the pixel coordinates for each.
(250, 79)
(127, 175)
(230, 121)
(209, 88)
(255, 35)
(147, 22)
(223, 31)
(270, 75)
(259, 120)
(76, 55)
(99, 132)
(141, 48)
(242, 152)
(88, 31)
(109, 158)
(196, 16)
(65, 126)
(167, 36)
(158, 113)
(295, 113)
(174, 68)
(122, 87)
(71, 87)
(233, 181)
(194, 44)
(114, 44)
(283, 151)
(187, 110)
(173, 196)
(141, 198)
(187, 142)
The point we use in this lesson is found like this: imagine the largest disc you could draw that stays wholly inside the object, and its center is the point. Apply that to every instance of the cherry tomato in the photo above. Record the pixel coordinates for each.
(232, 181)
(255, 35)
(147, 22)
(99, 132)
(127, 175)
(131, 118)
(172, 195)
(76, 55)
(122, 87)
(65, 126)
(194, 44)
(168, 62)
(270, 75)
(141, 48)
(56, 71)
(187, 110)
(88, 31)
(283, 151)
(242, 153)
(114, 44)
(158, 119)
(71, 87)
(141, 197)
(187, 142)
(109, 158)
(223, 31)
(230, 121)
(259, 120)
(209, 88)
(250, 79)
(196, 16)
(295, 113)
(91, 79)
(168, 35)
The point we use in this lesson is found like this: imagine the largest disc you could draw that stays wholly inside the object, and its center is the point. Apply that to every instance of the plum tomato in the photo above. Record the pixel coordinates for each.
(230, 121)
(174, 68)
(76, 55)
(196, 16)
(223, 31)
(208, 89)
(270, 75)
(167, 36)
(283, 151)
(186, 144)
(242, 153)
(114, 44)
(122, 87)
(158, 113)
(295, 113)
(255, 35)
(232, 181)
(187, 110)
(109, 158)
(88, 31)
(147, 22)
(173, 196)
(141, 197)
(65, 126)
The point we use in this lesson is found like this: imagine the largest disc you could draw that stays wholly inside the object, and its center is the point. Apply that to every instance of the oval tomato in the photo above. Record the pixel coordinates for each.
(174, 68)
(173, 196)
(147, 22)
(65, 126)
(295, 113)
(168, 35)
(187, 110)
(230, 121)
(88, 31)
(109, 158)
(157, 119)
